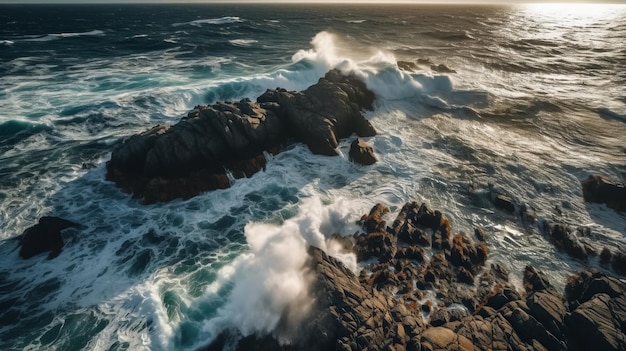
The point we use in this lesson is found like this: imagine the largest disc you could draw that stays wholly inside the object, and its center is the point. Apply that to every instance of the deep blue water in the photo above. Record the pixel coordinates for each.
(537, 104)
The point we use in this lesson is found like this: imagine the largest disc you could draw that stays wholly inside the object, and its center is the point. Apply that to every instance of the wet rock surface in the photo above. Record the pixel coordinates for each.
(198, 153)
(362, 153)
(442, 293)
(602, 190)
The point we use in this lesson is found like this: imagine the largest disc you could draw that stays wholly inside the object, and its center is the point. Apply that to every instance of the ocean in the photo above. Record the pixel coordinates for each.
(537, 104)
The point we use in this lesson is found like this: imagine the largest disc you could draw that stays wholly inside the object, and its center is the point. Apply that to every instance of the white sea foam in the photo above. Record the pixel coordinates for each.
(272, 276)
(242, 42)
(56, 36)
(221, 20)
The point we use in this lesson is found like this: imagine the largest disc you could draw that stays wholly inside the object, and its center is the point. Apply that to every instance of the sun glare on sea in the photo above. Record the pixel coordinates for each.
(573, 14)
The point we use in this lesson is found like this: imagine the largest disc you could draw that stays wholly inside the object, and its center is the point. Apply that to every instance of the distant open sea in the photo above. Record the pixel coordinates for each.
(537, 103)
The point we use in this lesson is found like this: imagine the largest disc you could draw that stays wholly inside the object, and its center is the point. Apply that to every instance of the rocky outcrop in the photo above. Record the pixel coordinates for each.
(44, 236)
(325, 112)
(362, 153)
(230, 138)
(601, 190)
(597, 318)
(419, 295)
(568, 240)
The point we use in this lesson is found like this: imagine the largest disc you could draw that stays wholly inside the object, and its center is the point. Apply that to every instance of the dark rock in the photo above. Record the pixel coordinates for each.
(325, 112)
(44, 236)
(605, 191)
(410, 253)
(424, 61)
(381, 245)
(583, 286)
(500, 272)
(486, 312)
(593, 327)
(196, 154)
(373, 222)
(501, 296)
(528, 328)
(413, 235)
(465, 276)
(460, 252)
(535, 280)
(381, 310)
(407, 66)
(362, 153)
(605, 256)
(504, 202)
(439, 317)
(441, 68)
(549, 310)
(563, 239)
(618, 263)
(480, 234)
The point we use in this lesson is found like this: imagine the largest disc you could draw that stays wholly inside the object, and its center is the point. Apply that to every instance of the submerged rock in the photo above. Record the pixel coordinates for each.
(599, 189)
(441, 68)
(229, 139)
(44, 236)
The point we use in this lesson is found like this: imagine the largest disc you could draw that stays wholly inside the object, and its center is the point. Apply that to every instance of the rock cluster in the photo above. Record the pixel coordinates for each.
(198, 153)
(431, 290)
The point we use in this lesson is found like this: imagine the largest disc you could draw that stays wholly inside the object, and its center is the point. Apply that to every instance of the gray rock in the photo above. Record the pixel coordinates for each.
(195, 155)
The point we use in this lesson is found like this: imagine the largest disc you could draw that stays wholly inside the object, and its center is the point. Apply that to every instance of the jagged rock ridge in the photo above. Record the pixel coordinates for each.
(196, 154)
(387, 307)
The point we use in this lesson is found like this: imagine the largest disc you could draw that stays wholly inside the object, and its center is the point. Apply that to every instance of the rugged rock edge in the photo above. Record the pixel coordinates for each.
(390, 306)
(231, 138)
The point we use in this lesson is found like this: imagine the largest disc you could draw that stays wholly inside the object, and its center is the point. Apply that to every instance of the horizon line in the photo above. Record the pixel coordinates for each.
(328, 2)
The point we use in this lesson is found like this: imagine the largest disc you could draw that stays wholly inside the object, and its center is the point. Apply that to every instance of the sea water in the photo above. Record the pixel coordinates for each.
(536, 105)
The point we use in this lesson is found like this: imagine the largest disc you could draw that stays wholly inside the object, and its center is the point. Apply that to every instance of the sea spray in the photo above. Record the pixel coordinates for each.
(272, 278)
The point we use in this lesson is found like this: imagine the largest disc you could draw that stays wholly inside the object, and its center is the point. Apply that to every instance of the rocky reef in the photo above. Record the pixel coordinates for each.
(425, 289)
(198, 153)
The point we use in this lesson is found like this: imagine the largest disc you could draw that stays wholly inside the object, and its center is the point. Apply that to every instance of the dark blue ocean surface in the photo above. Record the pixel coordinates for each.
(536, 104)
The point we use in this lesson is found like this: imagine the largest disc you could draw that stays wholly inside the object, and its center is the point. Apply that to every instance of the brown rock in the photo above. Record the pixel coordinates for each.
(407, 66)
(593, 327)
(362, 153)
(440, 338)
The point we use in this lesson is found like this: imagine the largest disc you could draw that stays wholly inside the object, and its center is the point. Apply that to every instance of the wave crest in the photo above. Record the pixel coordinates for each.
(221, 20)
